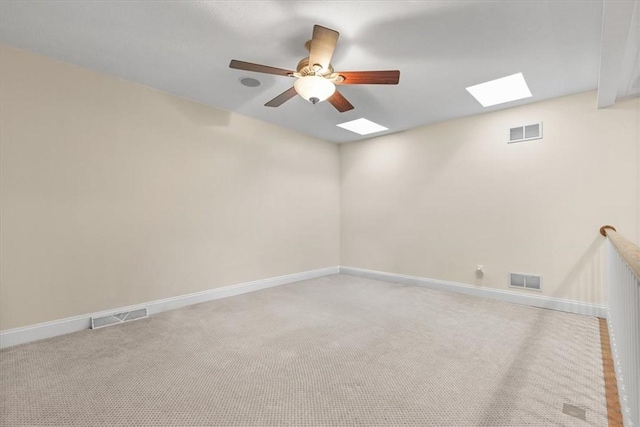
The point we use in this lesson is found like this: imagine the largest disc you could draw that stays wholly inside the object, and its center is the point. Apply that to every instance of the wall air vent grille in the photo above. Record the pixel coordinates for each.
(114, 319)
(525, 281)
(525, 132)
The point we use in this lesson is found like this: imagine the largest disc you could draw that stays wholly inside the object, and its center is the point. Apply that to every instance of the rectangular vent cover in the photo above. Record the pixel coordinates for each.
(114, 319)
(574, 411)
(525, 281)
(525, 132)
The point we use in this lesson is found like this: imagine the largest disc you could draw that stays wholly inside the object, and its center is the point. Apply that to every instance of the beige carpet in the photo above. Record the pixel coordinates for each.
(335, 351)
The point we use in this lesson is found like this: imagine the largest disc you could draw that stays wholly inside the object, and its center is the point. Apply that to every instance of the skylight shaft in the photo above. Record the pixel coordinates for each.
(499, 91)
(362, 126)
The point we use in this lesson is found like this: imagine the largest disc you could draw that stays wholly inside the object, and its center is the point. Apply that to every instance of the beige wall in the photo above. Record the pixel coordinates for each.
(115, 194)
(436, 201)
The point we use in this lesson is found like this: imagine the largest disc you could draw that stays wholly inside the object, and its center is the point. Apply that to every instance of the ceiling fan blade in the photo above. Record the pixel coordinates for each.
(282, 98)
(340, 102)
(322, 46)
(248, 66)
(389, 77)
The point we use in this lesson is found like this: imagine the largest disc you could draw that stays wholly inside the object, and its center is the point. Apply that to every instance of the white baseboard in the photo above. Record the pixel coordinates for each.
(54, 328)
(540, 301)
(40, 331)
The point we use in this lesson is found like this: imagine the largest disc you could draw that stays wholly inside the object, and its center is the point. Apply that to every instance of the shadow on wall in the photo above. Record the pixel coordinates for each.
(587, 275)
(198, 114)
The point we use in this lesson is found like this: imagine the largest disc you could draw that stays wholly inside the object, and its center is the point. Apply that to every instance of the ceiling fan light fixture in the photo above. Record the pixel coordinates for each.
(314, 88)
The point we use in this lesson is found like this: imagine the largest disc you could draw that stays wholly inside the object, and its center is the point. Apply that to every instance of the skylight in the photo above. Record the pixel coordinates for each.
(499, 91)
(362, 126)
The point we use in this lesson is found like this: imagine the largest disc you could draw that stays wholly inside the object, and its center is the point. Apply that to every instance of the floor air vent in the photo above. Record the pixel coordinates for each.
(114, 319)
(574, 411)
(525, 281)
(525, 133)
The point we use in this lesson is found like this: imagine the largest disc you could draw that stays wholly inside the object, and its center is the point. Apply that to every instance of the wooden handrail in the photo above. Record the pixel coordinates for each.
(626, 248)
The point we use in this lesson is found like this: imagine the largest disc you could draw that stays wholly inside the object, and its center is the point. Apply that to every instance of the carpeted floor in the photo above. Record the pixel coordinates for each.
(335, 351)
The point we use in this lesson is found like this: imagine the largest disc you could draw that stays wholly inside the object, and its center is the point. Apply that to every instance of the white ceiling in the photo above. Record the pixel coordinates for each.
(184, 48)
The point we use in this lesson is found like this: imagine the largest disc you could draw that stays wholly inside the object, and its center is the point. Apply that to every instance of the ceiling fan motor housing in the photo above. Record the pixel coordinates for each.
(306, 69)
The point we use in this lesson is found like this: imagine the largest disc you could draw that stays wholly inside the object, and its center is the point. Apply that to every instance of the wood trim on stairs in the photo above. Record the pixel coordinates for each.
(611, 385)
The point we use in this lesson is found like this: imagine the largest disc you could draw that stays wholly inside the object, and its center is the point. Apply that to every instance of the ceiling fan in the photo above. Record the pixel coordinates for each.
(316, 78)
